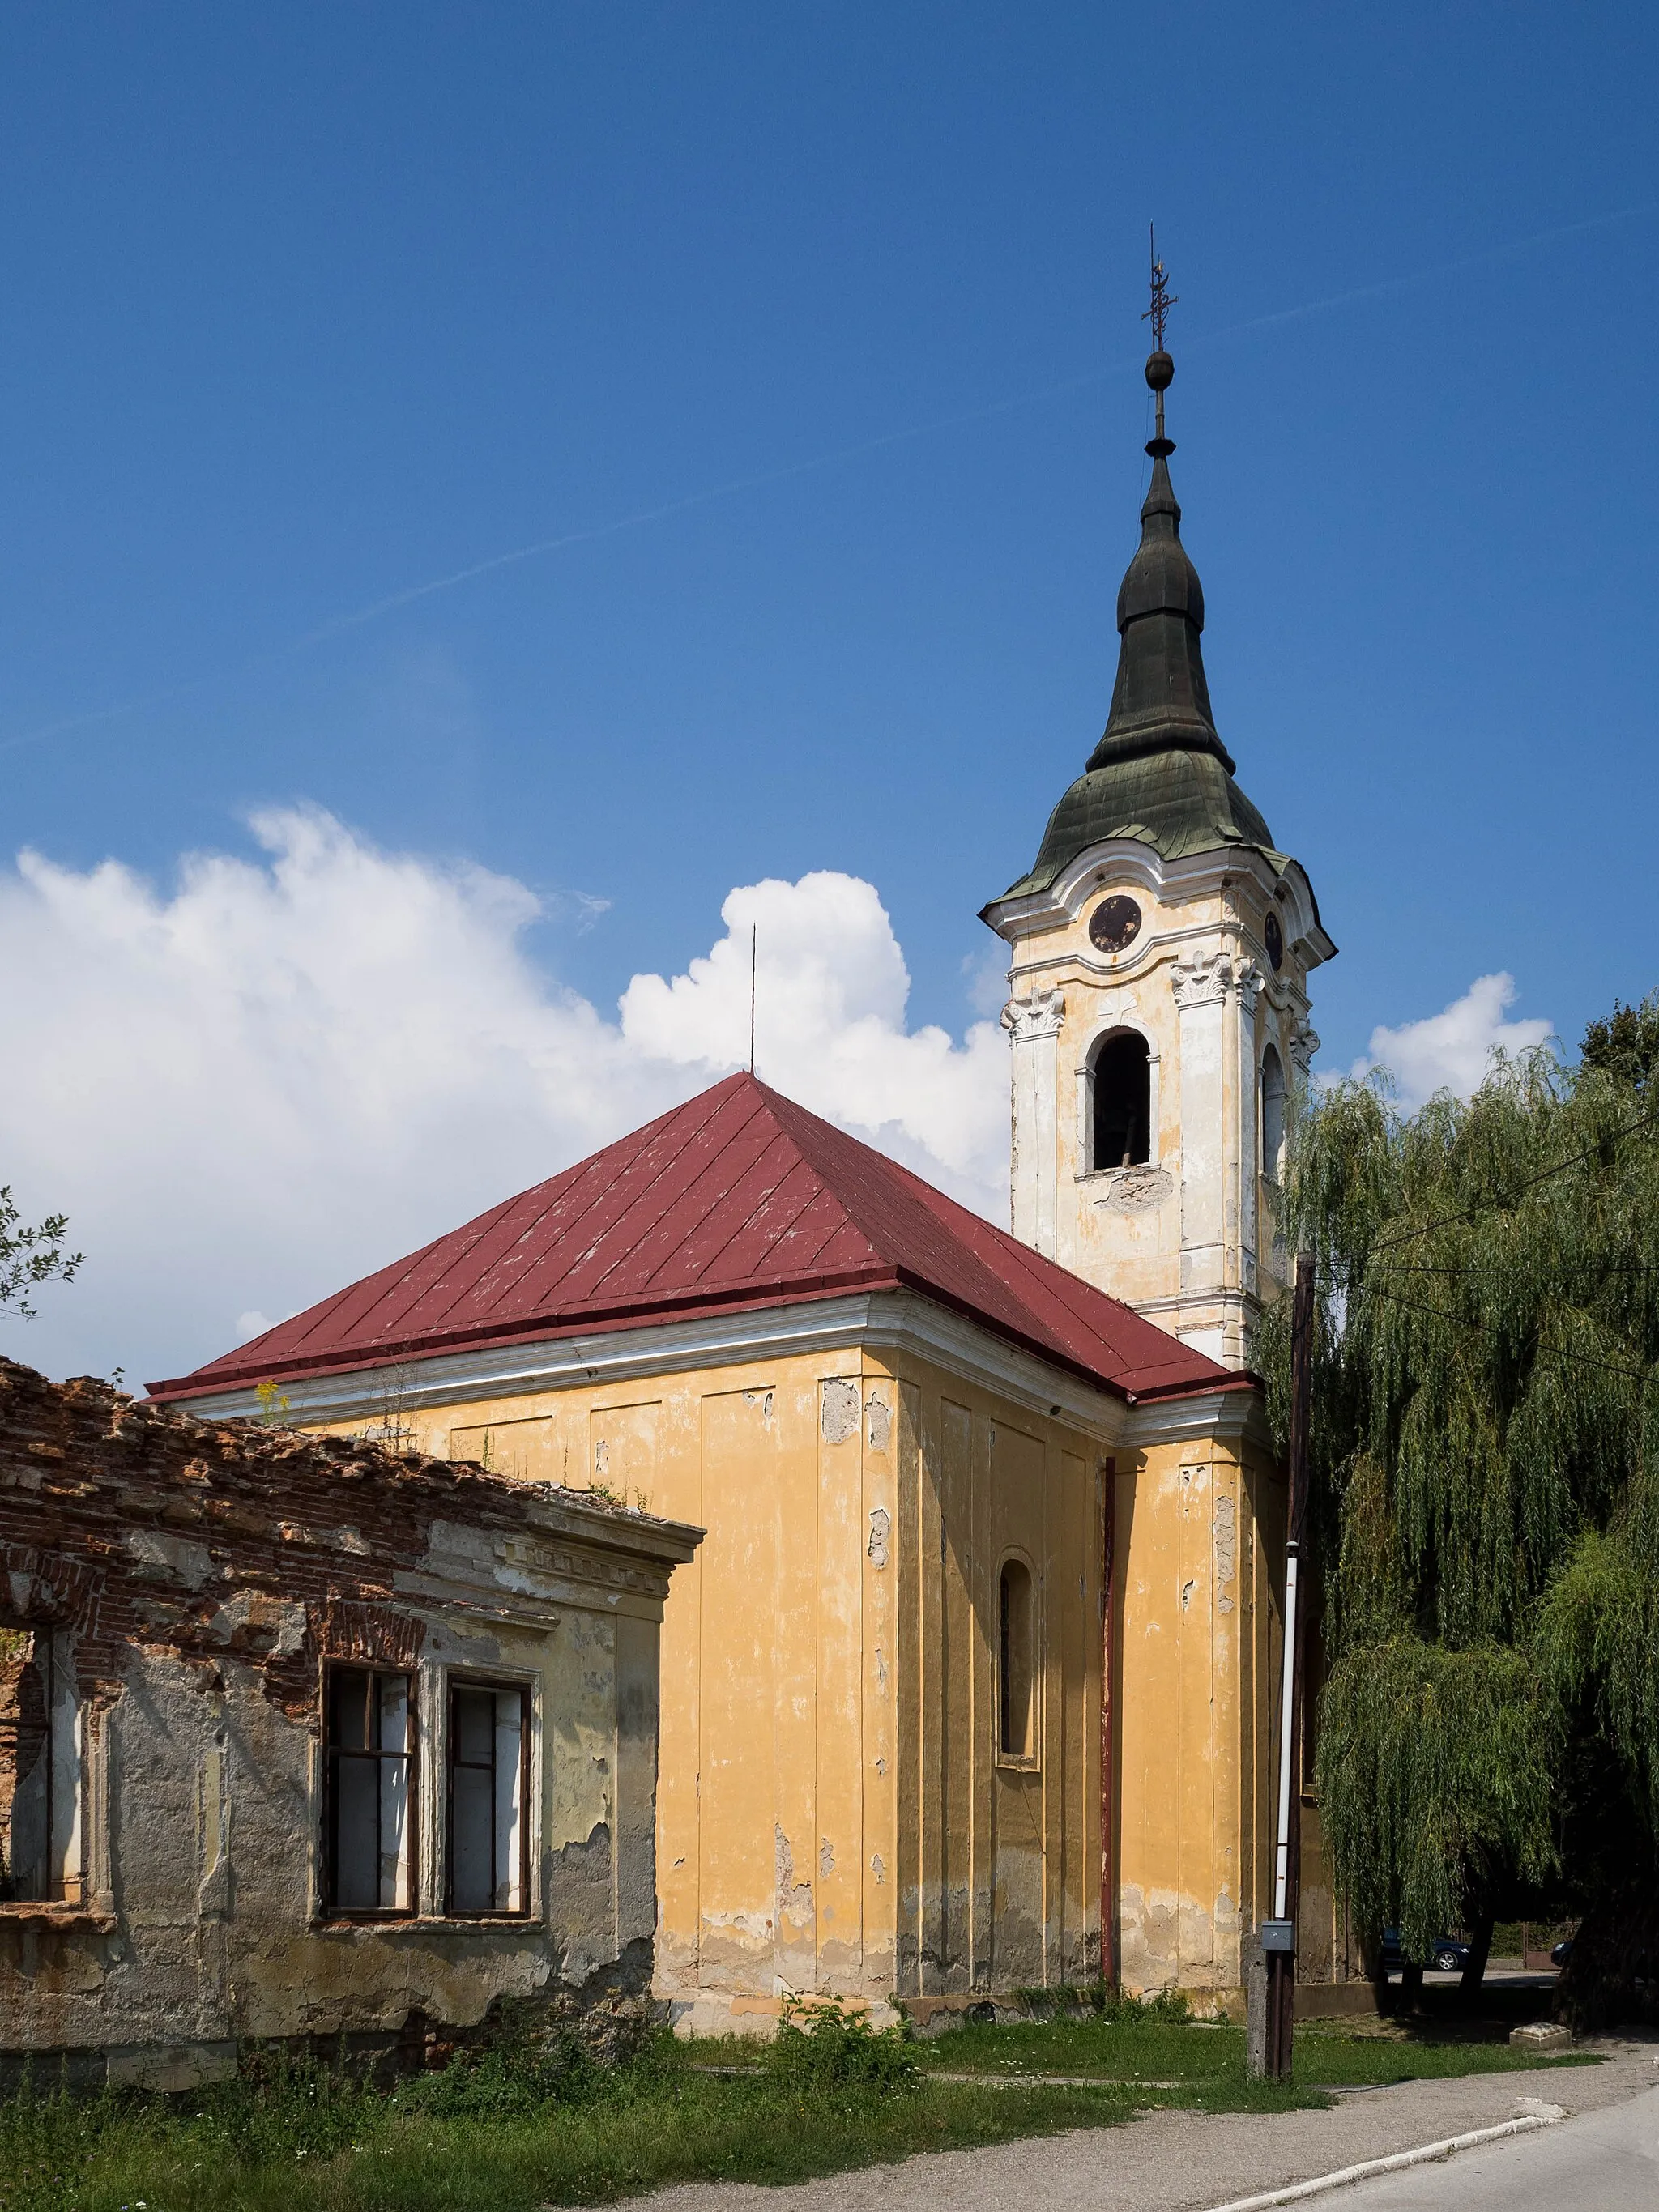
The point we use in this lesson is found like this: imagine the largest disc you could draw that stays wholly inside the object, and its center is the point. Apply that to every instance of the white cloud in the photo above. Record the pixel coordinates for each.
(1452, 1050)
(251, 1089)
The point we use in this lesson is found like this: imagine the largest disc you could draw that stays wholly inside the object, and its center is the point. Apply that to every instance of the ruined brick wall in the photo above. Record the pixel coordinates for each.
(196, 1577)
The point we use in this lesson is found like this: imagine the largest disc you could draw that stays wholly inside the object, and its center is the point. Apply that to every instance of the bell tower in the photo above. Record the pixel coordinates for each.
(1159, 956)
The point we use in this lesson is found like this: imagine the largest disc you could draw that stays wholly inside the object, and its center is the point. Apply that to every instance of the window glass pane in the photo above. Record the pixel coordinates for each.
(472, 1719)
(486, 1812)
(356, 1883)
(67, 1867)
(395, 1894)
(509, 1743)
(371, 1723)
(393, 1701)
(472, 1863)
(350, 1687)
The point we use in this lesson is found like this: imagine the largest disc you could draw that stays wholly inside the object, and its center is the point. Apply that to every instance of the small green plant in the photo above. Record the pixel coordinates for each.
(517, 2076)
(46, 2143)
(821, 2045)
(287, 2108)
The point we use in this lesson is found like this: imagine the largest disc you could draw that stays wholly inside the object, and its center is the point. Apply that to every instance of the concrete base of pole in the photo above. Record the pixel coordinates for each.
(1255, 2012)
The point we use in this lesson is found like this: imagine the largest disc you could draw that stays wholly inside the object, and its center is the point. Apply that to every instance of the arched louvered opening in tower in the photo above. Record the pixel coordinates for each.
(1273, 1113)
(1123, 1089)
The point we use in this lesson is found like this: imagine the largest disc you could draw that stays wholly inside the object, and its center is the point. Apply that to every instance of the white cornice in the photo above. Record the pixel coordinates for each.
(891, 1321)
(1232, 1417)
(1172, 883)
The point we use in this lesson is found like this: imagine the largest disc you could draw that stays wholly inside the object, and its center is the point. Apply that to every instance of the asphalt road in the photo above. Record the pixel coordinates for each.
(1606, 2161)
(1171, 2162)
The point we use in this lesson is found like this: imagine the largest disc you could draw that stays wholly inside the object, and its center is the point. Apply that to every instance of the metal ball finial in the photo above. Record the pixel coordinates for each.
(1160, 369)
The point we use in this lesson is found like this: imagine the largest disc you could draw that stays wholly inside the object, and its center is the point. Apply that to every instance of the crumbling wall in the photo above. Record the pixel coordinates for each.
(194, 1579)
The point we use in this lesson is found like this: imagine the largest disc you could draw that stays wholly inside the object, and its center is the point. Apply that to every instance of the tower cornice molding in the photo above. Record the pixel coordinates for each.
(1128, 861)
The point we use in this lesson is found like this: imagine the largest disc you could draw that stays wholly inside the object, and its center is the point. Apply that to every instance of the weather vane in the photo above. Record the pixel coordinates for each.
(1157, 314)
(1160, 369)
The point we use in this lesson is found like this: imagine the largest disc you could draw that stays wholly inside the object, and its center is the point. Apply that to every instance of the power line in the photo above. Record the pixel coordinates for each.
(1488, 1328)
(1648, 1120)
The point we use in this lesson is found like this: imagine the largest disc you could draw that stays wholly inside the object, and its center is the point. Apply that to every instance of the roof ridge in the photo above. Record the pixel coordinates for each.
(692, 1212)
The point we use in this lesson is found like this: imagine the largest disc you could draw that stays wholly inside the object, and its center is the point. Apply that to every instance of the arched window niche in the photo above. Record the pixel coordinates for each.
(1119, 1102)
(1017, 1663)
(1272, 1114)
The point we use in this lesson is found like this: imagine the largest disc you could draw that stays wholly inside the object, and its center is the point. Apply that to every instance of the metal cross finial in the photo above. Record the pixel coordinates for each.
(1157, 314)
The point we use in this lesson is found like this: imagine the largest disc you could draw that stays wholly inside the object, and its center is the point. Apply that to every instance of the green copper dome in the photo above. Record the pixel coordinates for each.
(1160, 772)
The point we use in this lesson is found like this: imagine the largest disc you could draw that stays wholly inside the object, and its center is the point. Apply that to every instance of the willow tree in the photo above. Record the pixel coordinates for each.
(1486, 1503)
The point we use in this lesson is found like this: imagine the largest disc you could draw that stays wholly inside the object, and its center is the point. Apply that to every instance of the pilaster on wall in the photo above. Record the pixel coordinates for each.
(1215, 995)
(1033, 1024)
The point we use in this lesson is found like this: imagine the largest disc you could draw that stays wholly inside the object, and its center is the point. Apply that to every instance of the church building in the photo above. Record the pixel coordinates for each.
(970, 1684)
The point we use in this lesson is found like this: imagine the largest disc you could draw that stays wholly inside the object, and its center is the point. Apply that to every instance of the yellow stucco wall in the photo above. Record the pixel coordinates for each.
(833, 1812)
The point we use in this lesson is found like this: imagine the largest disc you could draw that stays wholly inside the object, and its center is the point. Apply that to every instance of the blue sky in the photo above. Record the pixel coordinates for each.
(309, 306)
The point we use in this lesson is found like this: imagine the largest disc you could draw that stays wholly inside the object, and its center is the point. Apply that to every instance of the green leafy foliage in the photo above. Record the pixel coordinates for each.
(31, 1255)
(820, 2044)
(1624, 1044)
(521, 2074)
(1435, 1764)
(1486, 1506)
(288, 2108)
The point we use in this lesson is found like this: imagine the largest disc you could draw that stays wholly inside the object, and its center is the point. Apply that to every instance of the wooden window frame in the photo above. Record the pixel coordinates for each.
(458, 1680)
(333, 1670)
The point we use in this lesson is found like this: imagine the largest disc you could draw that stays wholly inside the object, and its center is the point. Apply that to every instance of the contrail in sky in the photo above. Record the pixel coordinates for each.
(374, 611)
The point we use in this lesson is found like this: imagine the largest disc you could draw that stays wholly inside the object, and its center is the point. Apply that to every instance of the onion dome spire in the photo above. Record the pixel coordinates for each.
(1161, 701)
(1160, 773)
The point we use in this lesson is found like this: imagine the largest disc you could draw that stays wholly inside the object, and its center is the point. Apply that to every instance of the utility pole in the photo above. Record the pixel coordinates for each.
(1279, 1934)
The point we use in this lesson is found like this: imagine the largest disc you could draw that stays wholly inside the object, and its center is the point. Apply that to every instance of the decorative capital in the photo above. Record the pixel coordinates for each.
(1038, 1014)
(1304, 1043)
(1209, 978)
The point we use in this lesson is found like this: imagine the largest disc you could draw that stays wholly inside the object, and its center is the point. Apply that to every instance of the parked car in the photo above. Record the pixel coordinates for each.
(1562, 1953)
(1449, 1954)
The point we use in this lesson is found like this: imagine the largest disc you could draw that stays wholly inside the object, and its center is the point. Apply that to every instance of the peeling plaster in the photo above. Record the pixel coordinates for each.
(881, 1421)
(880, 1526)
(839, 1417)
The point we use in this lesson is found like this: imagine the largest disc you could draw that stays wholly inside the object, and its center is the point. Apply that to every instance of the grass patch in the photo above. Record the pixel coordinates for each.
(1154, 2048)
(516, 2127)
(533, 2122)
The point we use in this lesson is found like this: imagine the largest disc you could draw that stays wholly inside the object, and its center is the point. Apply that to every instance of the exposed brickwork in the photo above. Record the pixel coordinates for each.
(86, 1474)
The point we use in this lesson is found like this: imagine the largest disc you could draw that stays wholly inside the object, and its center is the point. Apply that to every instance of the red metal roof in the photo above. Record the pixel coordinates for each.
(739, 1199)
